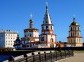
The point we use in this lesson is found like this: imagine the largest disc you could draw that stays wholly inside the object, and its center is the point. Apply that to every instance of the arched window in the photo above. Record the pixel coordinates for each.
(71, 28)
(51, 40)
(78, 28)
(51, 27)
(46, 22)
(30, 35)
(46, 27)
(71, 34)
(75, 28)
(51, 43)
(42, 38)
(42, 27)
(25, 35)
(71, 40)
(43, 21)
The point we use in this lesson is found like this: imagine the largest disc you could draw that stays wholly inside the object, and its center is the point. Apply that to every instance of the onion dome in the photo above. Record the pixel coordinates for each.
(31, 21)
(74, 22)
(18, 41)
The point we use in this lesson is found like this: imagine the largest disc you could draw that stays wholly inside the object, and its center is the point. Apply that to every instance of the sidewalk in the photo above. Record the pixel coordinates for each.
(78, 57)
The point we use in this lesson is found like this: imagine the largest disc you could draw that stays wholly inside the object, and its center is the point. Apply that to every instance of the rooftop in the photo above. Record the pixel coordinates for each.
(8, 31)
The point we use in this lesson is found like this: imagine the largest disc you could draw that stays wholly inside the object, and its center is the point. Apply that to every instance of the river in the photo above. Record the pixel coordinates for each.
(4, 57)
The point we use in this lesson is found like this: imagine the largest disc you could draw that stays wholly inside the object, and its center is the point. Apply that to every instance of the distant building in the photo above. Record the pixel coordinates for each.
(31, 36)
(74, 39)
(30, 39)
(7, 38)
(31, 33)
(61, 44)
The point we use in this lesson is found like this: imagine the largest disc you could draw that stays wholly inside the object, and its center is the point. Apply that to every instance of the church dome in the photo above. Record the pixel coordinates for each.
(31, 21)
(18, 40)
(74, 22)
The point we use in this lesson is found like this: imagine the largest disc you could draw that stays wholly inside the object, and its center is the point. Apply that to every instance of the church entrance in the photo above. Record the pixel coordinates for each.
(51, 43)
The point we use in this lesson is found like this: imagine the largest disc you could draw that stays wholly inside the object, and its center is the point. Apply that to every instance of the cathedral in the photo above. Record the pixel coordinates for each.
(47, 37)
(32, 39)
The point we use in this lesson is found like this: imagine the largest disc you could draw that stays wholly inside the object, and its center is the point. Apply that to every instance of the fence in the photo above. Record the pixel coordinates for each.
(42, 56)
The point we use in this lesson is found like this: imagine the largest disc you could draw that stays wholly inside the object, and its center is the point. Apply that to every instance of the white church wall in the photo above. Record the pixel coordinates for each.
(37, 39)
(35, 34)
(28, 34)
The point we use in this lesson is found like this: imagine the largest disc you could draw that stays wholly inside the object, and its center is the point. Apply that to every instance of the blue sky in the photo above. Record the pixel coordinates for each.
(15, 14)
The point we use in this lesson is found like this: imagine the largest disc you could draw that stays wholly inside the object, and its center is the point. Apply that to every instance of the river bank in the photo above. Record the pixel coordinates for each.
(6, 54)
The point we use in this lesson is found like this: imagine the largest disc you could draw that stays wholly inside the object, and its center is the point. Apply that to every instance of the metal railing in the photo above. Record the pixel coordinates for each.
(42, 56)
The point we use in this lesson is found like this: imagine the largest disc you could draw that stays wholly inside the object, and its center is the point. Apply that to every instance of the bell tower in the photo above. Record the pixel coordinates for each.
(47, 36)
(75, 38)
(31, 33)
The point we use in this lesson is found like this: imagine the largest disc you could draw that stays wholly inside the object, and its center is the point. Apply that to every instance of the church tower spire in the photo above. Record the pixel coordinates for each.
(47, 19)
(47, 36)
(31, 22)
(47, 6)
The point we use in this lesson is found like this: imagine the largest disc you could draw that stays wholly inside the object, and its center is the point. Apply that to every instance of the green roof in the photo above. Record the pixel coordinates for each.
(74, 23)
(31, 21)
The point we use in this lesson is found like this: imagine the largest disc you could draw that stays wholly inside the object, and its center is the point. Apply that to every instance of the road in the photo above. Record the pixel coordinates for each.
(78, 57)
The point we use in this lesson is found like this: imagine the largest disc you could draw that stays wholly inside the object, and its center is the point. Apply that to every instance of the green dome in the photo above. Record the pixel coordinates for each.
(74, 23)
(31, 21)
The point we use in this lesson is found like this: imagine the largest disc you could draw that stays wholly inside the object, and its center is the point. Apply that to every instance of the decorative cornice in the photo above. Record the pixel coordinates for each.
(74, 37)
(74, 31)
(46, 30)
(47, 34)
(30, 30)
(47, 24)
